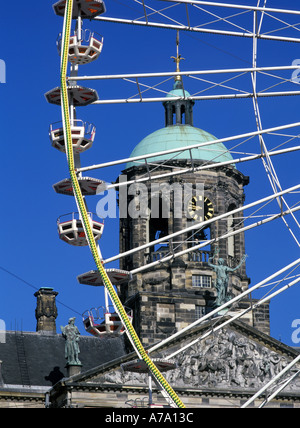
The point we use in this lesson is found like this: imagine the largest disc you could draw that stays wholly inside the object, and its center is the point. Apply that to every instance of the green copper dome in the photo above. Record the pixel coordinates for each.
(178, 136)
(179, 133)
(178, 92)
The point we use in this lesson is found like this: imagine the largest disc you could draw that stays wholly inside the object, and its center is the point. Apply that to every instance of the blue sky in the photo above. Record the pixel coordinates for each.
(32, 256)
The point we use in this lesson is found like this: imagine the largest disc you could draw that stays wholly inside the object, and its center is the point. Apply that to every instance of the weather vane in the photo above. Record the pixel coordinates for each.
(177, 59)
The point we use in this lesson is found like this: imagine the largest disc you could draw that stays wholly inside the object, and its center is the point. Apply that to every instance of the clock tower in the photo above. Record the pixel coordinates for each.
(175, 280)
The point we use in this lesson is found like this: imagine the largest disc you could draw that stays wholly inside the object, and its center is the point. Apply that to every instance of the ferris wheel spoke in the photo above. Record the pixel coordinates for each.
(181, 171)
(204, 77)
(196, 7)
(186, 73)
(236, 6)
(195, 29)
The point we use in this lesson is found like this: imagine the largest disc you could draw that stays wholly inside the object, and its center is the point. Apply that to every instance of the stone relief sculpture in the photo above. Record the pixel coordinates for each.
(226, 360)
(222, 272)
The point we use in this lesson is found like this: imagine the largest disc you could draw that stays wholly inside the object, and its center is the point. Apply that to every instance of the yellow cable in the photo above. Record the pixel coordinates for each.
(175, 400)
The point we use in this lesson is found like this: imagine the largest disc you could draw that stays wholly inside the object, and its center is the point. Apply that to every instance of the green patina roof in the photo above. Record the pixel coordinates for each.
(178, 92)
(178, 136)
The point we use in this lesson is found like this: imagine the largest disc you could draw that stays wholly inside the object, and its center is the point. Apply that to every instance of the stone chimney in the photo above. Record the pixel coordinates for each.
(46, 311)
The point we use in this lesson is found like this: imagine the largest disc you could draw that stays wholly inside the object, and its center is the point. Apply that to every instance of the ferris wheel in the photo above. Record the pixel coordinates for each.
(72, 136)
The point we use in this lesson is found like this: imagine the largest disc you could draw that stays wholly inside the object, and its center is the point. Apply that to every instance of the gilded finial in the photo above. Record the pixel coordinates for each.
(177, 59)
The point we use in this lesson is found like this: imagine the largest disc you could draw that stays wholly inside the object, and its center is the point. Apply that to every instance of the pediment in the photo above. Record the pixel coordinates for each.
(227, 360)
(235, 358)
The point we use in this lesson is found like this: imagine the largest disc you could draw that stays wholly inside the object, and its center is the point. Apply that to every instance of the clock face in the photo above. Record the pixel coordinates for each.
(196, 206)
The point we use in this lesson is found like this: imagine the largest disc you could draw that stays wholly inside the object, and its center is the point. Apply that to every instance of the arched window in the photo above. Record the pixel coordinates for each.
(158, 226)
